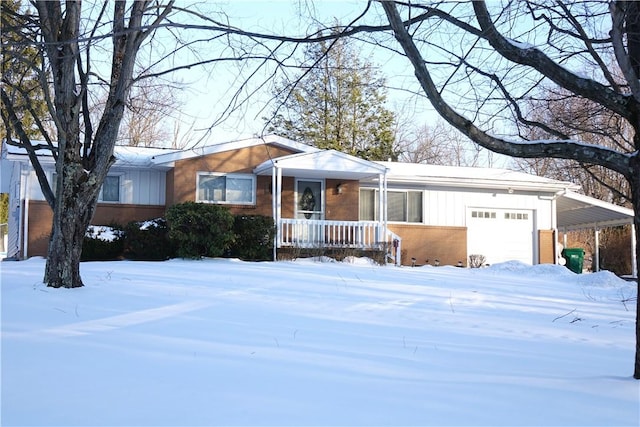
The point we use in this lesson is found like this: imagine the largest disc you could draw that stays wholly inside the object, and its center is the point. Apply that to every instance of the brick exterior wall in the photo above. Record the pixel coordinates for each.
(181, 183)
(41, 215)
(546, 247)
(423, 242)
(344, 206)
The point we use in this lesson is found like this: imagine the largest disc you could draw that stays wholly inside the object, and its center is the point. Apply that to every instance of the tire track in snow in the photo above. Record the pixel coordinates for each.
(118, 321)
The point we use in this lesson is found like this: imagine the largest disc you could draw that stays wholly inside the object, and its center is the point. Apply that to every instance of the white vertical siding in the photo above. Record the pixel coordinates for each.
(140, 187)
(446, 207)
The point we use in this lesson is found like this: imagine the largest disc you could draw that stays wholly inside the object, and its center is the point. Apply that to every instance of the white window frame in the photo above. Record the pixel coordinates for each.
(247, 176)
(100, 196)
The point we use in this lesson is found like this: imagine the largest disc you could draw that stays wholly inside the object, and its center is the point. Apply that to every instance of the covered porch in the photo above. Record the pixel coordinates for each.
(315, 203)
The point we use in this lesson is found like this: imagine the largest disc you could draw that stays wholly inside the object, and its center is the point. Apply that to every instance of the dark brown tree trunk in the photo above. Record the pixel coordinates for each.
(635, 192)
(621, 104)
(70, 223)
(82, 166)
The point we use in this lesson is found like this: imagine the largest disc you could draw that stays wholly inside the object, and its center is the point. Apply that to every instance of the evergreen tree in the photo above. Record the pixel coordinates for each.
(337, 103)
(21, 70)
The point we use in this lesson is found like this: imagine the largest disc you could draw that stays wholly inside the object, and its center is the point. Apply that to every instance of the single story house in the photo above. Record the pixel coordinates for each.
(324, 198)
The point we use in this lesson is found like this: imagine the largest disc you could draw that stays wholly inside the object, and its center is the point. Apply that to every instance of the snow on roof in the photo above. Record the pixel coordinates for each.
(125, 155)
(397, 172)
(470, 177)
(322, 164)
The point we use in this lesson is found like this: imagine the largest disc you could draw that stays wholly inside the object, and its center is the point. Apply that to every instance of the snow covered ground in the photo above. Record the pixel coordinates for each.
(224, 342)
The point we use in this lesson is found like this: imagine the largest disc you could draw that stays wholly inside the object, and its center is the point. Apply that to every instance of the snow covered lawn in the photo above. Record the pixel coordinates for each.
(224, 342)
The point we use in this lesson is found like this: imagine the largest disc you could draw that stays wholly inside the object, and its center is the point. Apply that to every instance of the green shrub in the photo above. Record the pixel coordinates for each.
(254, 237)
(147, 240)
(198, 229)
(102, 243)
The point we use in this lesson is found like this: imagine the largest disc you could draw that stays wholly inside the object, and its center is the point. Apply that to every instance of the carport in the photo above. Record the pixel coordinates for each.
(579, 212)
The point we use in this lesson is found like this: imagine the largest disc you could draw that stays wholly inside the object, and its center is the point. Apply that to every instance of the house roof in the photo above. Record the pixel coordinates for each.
(323, 164)
(471, 177)
(126, 156)
(577, 211)
(169, 158)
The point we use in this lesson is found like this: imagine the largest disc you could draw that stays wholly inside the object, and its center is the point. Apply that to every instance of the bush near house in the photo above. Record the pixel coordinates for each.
(103, 243)
(4, 207)
(205, 230)
(148, 240)
(198, 229)
(615, 250)
(254, 237)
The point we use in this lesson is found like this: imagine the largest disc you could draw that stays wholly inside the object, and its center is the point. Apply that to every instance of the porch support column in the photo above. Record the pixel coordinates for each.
(381, 196)
(596, 243)
(278, 193)
(634, 263)
(274, 211)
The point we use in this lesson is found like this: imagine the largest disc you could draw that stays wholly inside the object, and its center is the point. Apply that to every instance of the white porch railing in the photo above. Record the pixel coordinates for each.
(366, 235)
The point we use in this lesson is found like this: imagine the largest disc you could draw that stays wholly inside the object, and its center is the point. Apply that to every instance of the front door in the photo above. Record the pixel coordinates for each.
(310, 209)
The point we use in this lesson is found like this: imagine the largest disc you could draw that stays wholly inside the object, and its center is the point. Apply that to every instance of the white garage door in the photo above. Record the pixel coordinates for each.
(500, 234)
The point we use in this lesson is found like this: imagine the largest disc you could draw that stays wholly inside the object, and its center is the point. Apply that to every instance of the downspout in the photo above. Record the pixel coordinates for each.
(25, 219)
(596, 244)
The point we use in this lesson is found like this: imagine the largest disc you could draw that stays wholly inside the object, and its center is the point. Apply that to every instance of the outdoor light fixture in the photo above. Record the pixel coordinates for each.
(339, 188)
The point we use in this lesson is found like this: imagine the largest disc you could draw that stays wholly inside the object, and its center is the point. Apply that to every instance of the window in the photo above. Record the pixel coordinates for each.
(110, 189)
(414, 206)
(230, 189)
(402, 206)
(368, 205)
(396, 206)
(483, 214)
(516, 215)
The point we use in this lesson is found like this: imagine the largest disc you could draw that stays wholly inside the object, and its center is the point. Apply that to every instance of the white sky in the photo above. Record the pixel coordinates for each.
(202, 99)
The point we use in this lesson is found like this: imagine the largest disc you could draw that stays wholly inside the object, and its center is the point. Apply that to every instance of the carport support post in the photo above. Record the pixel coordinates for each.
(634, 263)
(595, 264)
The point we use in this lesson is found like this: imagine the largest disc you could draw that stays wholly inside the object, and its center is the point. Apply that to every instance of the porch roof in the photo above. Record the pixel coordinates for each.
(577, 211)
(322, 164)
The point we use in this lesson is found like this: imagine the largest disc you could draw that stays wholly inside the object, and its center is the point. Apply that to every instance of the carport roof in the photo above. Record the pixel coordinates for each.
(577, 211)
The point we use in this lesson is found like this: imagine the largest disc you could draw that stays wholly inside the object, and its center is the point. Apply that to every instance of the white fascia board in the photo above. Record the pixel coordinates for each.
(553, 186)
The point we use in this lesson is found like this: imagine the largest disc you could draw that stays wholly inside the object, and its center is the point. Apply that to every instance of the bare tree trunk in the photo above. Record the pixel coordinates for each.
(621, 104)
(70, 223)
(634, 182)
(82, 166)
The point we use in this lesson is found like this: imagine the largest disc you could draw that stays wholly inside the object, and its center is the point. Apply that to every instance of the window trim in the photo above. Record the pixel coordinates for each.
(250, 176)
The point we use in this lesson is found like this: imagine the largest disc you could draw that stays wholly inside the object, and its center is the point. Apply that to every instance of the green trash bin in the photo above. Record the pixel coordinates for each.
(575, 259)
